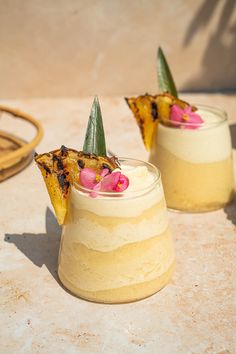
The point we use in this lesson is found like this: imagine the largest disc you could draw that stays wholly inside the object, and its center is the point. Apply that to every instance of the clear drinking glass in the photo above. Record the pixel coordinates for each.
(117, 247)
(196, 164)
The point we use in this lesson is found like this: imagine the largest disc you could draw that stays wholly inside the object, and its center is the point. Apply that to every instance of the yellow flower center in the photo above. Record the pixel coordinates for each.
(98, 178)
(185, 117)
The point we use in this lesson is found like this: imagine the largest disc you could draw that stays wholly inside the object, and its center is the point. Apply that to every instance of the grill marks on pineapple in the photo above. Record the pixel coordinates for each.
(154, 110)
(105, 165)
(63, 182)
(141, 127)
(81, 164)
(59, 162)
(45, 167)
(60, 170)
(64, 150)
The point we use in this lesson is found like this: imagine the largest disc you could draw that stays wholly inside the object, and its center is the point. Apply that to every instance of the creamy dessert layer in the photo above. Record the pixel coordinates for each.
(123, 294)
(195, 186)
(103, 233)
(131, 264)
(203, 145)
(131, 203)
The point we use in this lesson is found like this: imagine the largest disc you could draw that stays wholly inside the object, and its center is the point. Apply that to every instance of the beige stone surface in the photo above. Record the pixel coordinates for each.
(195, 313)
(65, 48)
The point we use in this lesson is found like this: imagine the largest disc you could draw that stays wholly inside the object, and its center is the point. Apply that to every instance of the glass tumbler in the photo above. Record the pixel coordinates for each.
(196, 164)
(117, 247)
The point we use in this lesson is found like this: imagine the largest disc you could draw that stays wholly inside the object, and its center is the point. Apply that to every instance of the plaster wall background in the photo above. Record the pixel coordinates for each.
(61, 48)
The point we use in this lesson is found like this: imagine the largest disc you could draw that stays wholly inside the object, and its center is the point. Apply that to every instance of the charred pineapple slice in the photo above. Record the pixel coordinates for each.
(144, 109)
(57, 183)
(61, 168)
(148, 110)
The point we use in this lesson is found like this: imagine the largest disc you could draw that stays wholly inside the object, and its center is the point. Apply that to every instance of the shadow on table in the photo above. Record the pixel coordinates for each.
(232, 128)
(230, 211)
(40, 248)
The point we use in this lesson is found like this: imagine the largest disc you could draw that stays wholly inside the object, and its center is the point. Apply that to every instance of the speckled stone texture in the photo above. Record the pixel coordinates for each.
(195, 313)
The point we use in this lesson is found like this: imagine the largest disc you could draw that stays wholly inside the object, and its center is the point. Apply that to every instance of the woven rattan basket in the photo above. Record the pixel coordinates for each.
(15, 152)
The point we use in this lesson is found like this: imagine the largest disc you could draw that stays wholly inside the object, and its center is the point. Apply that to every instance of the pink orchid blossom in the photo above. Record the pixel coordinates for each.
(190, 119)
(104, 181)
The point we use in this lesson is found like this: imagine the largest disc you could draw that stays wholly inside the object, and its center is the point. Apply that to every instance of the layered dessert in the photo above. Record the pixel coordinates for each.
(196, 164)
(191, 146)
(118, 247)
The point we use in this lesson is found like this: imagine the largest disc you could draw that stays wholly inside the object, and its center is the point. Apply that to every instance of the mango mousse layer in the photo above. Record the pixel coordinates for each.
(194, 188)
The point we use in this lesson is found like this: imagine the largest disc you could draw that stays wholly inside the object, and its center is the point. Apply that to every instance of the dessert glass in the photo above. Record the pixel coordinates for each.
(196, 164)
(117, 247)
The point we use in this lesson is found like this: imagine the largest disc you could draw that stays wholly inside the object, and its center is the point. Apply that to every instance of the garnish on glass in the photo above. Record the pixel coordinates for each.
(166, 107)
(91, 168)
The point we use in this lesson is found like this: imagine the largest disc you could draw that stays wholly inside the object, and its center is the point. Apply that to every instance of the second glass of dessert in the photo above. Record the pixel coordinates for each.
(195, 160)
(192, 147)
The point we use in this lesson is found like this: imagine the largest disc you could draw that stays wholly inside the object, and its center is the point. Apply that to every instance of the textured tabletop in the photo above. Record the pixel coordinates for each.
(195, 313)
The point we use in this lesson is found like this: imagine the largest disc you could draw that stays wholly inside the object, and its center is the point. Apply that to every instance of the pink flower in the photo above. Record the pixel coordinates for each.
(104, 181)
(190, 119)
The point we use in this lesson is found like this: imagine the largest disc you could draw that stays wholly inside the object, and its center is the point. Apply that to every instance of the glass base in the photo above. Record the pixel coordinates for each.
(203, 210)
(122, 295)
(178, 211)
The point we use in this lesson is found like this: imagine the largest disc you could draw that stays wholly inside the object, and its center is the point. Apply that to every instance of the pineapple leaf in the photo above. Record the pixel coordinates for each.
(94, 142)
(165, 78)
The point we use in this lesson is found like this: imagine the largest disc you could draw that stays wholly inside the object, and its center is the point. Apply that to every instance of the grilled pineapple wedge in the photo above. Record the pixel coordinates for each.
(148, 110)
(61, 169)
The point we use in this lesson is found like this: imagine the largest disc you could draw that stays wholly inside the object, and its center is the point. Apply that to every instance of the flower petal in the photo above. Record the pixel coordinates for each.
(195, 118)
(110, 181)
(122, 184)
(195, 121)
(104, 172)
(88, 178)
(176, 113)
(96, 188)
(187, 110)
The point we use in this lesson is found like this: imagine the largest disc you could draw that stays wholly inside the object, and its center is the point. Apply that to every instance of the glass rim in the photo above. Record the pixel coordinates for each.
(219, 112)
(125, 193)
